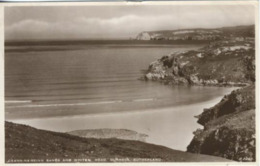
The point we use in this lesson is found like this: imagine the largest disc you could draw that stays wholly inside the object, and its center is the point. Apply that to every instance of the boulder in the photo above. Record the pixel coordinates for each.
(194, 79)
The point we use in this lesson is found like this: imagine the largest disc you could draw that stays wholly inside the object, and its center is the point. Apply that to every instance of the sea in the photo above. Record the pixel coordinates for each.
(65, 86)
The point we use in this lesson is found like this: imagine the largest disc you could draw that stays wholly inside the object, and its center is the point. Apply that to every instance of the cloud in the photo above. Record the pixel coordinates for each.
(127, 25)
(82, 27)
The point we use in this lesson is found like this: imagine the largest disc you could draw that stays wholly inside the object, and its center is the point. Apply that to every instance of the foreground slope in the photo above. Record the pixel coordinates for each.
(24, 142)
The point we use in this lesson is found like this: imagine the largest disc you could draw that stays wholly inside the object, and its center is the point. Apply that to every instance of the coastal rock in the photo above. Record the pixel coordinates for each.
(194, 79)
(229, 127)
(215, 68)
(235, 144)
(239, 100)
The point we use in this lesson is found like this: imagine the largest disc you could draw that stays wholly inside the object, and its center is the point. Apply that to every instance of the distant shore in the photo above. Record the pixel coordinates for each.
(100, 42)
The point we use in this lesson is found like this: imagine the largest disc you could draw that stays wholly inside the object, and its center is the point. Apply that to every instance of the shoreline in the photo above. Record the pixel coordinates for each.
(218, 98)
(213, 92)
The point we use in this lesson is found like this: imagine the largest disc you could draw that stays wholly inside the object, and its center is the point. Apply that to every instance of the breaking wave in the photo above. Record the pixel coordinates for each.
(76, 104)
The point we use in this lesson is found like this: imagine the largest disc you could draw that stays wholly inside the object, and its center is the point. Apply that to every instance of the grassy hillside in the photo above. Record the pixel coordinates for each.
(199, 33)
(24, 142)
(242, 31)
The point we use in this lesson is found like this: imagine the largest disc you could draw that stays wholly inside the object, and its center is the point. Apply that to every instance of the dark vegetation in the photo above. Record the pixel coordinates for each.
(24, 142)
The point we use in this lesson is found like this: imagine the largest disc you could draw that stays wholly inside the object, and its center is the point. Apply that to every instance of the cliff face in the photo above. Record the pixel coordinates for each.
(110, 133)
(229, 127)
(220, 63)
(143, 36)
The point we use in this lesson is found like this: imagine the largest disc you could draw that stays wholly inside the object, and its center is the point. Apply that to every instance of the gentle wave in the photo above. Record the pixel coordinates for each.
(140, 100)
(80, 104)
(59, 105)
(17, 101)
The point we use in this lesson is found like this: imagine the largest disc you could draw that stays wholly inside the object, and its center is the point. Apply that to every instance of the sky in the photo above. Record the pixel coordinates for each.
(117, 22)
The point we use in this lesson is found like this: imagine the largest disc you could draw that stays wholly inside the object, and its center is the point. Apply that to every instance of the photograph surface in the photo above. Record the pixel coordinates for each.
(130, 83)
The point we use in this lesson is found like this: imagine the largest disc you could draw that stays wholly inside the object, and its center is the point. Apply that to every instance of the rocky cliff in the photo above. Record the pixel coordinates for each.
(110, 133)
(229, 127)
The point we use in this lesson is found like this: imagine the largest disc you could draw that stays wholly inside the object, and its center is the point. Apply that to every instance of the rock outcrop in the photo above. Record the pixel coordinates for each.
(222, 63)
(110, 133)
(229, 127)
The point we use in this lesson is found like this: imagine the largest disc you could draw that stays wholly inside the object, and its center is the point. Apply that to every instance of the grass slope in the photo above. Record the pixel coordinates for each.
(24, 142)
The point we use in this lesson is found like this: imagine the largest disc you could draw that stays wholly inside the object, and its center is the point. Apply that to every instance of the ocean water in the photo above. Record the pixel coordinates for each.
(70, 87)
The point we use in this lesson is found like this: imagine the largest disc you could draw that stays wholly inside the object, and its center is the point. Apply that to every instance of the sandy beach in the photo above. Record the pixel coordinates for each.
(172, 127)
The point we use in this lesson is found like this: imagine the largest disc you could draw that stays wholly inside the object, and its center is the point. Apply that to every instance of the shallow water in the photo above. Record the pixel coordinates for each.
(86, 87)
